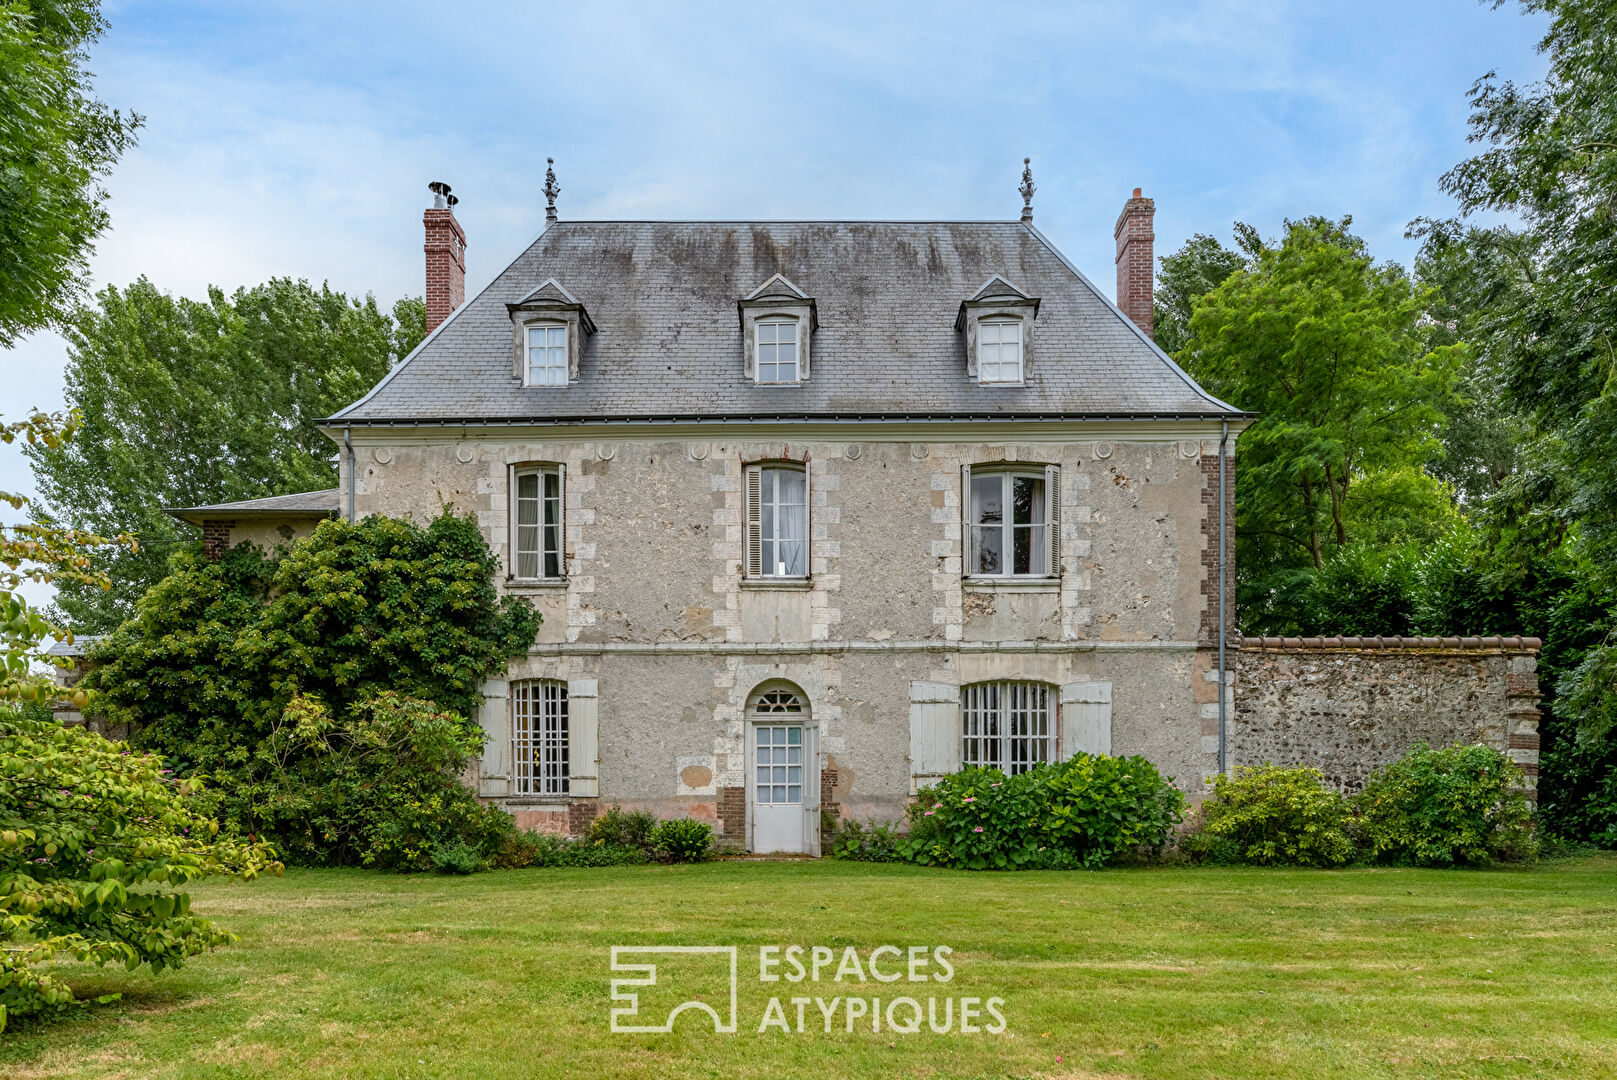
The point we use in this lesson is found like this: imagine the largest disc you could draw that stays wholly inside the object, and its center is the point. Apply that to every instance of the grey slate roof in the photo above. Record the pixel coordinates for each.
(300, 504)
(80, 645)
(663, 297)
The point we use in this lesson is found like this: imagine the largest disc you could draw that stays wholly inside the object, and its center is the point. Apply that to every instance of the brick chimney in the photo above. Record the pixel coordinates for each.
(1136, 267)
(446, 256)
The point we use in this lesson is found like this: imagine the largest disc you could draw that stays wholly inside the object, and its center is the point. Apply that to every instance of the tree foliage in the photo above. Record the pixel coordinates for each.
(58, 142)
(1325, 346)
(266, 673)
(186, 402)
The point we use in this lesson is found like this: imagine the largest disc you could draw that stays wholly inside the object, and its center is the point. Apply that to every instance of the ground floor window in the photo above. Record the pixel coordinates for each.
(539, 737)
(1006, 725)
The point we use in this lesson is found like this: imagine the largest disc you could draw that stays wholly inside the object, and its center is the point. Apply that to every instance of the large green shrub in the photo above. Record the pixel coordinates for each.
(683, 840)
(1091, 809)
(1269, 815)
(1459, 806)
(96, 846)
(330, 692)
(623, 828)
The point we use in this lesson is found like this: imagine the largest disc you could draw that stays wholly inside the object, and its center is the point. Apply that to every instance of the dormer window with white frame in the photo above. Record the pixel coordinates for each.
(548, 327)
(997, 322)
(777, 350)
(547, 354)
(999, 351)
(777, 333)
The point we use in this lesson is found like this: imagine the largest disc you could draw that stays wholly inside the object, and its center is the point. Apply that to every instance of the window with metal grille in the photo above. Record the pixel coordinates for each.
(536, 523)
(539, 737)
(1006, 725)
(777, 701)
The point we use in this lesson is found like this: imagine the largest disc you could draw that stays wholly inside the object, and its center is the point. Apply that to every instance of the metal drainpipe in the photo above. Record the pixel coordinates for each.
(1223, 574)
(348, 445)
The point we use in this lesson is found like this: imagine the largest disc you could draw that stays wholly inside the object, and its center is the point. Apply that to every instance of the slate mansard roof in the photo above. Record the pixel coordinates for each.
(667, 343)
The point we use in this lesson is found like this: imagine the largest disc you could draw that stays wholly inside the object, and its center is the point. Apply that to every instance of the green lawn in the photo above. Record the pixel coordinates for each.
(1148, 973)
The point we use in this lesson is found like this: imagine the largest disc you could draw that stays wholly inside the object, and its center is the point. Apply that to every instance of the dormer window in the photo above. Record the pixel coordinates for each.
(547, 354)
(777, 333)
(997, 321)
(777, 351)
(999, 351)
(548, 327)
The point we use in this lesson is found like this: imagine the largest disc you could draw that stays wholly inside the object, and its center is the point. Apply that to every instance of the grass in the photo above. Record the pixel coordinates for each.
(1137, 973)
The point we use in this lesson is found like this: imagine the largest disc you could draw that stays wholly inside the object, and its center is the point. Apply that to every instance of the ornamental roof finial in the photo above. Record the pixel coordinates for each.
(1027, 190)
(551, 191)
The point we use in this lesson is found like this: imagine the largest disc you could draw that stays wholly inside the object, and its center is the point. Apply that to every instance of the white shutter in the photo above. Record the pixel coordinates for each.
(1086, 718)
(754, 528)
(966, 557)
(510, 521)
(934, 732)
(811, 790)
(1052, 518)
(494, 770)
(561, 521)
(583, 738)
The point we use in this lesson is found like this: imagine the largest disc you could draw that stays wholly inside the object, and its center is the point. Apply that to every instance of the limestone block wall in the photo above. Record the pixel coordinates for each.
(1347, 705)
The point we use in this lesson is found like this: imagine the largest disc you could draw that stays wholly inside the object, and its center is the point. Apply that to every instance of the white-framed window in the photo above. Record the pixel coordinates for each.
(539, 736)
(1006, 725)
(537, 516)
(547, 354)
(777, 350)
(1012, 521)
(999, 351)
(779, 764)
(777, 521)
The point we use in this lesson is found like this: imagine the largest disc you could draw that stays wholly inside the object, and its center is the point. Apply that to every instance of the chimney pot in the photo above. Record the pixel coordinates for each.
(446, 256)
(1136, 264)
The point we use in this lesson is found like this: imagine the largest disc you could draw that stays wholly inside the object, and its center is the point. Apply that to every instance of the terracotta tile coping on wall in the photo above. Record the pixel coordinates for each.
(1447, 644)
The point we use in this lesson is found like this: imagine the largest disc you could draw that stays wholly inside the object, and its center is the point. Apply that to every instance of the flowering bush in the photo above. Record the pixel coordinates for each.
(1270, 815)
(1088, 811)
(96, 844)
(1454, 807)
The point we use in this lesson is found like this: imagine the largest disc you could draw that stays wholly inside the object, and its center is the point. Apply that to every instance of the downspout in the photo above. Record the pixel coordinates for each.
(348, 447)
(1223, 575)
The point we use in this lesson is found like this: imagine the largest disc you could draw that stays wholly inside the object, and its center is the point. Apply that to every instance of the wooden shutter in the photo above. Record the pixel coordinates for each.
(583, 738)
(1086, 718)
(494, 717)
(510, 521)
(966, 555)
(754, 527)
(934, 732)
(811, 790)
(561, 520)
(1052, 517)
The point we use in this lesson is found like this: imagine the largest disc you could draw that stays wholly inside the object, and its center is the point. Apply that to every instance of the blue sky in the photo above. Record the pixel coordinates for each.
(297, 138)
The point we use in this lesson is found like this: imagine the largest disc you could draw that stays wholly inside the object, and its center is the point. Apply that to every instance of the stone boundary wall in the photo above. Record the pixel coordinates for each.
(1347, 705)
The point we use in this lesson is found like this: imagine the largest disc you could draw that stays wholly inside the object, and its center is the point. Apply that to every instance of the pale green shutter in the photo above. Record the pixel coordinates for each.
(934, 732)
(1086, 718)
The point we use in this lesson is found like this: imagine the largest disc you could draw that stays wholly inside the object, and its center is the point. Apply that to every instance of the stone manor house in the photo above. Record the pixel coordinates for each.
(814, 512)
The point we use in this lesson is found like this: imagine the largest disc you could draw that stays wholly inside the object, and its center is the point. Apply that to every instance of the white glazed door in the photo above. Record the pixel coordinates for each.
(779, 768)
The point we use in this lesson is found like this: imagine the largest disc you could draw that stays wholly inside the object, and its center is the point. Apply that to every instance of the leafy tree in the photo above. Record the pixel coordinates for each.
(57, 144)
(265, 673)
(1186, 276)
(1325, 346)
(187, 402)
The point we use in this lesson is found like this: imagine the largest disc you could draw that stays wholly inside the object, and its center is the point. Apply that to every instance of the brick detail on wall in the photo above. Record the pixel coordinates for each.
(216, 537)
(1136, 267)
(733, 817)
(1349, 705)
(580, 812)
(1208, 632)
(828, 787)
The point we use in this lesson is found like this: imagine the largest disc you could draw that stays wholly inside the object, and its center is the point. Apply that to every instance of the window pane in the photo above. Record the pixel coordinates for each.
(766, 332)
(989, 543)
(1027, 500)
(987, 498)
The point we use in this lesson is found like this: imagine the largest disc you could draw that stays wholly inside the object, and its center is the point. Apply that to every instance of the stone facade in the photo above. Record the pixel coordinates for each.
(1348, 705)
(655, 611)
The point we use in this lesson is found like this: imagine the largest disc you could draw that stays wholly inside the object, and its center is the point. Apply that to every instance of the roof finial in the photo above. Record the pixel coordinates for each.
(1027, 189)
(551, 191)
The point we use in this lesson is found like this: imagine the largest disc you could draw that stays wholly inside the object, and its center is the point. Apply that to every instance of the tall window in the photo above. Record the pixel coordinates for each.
(547, 356)
(1011, 518)
(1006, 725)
(999, 351)
(777, 351)
(777, 521)
(538, 524)
(539, 737)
